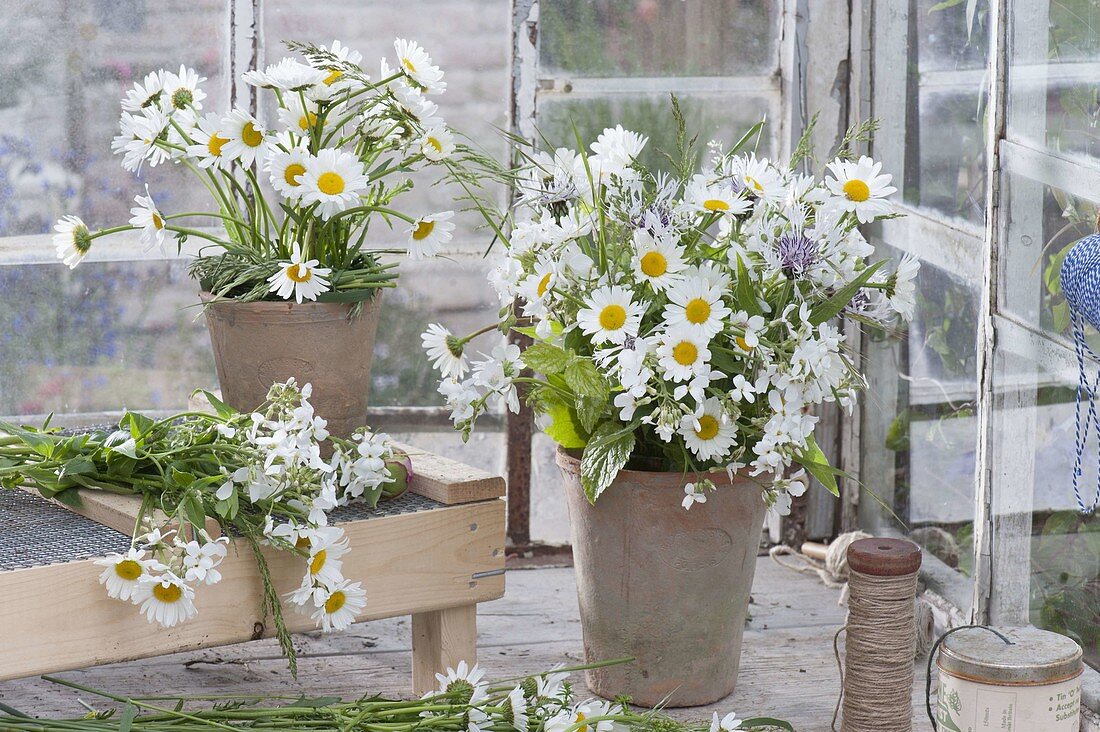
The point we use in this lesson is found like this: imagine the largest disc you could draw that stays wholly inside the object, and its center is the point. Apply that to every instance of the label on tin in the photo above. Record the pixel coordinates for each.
(969, 706)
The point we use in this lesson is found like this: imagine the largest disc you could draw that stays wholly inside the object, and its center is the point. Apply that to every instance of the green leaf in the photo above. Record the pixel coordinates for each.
(756, 722)
(832, 307)
(222, 409)
(126, 720)
(315, 702)
(563, 430)
(138, 424)
(585, 379)
(745, 138)
(79, 465)
(546, 359)
(817, 465)
(746, 295)
(604, 456)
(70, 497)
(589, 411)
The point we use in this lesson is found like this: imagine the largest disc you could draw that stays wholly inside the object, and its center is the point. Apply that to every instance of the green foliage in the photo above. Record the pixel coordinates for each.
(605, 455)
(817, 465)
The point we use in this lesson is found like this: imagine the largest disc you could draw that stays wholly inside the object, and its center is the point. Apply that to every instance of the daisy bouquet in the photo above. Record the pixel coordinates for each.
(259, 476)
(294, 195)
(681, 320)
(463, 702)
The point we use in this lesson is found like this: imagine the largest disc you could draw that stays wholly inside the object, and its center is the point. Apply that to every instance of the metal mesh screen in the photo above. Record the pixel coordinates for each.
(34, 532)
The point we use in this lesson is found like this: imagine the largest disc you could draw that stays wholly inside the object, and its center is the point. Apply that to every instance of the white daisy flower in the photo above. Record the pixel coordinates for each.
(138, 138)
(334, 181)
(73, 241)
(145, 93)
(463, 678)
(325, 560)
(147, 218)
(123, 572)
(334, 80)
(208, 143)
(708, 434)
(611, 315)
(537, 287)
(417, 66)
(859, 188)
(715, 197)
(902, 295)
(656, 261)
(698, 304)
(182, 92)
(693, 495)
(245, 137)
(338, 605)
(515, 710)
(287, 75)
(759, 178)
(298, 118)
(286, 169)
(445, 351)
(728, 723)
(613, 153)
(166, 599)
(428, 234)
(682, 354)
(304, 280)
(437, 143)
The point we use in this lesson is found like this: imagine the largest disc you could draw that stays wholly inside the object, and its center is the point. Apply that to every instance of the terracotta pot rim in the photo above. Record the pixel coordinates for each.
(565, 459)
(213, 301)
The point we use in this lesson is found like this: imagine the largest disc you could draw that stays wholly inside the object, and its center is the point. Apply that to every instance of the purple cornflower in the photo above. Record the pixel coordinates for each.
(797, 254)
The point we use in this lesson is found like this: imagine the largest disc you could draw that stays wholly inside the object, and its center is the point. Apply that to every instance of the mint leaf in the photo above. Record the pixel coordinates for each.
(546, 359)
(585, 380)
(605, 455)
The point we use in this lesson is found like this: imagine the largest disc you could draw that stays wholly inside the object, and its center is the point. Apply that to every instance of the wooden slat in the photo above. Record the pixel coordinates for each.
(58, 617)
(449, 481)
(442, 639)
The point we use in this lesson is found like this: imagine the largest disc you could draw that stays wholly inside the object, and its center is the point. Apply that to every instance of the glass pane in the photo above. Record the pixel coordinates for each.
(607, 38)
(918, 423)
(712, 118)
(64, 71)
(1047, 555)
(1053, 98)
(1041, 225)
(930, 101)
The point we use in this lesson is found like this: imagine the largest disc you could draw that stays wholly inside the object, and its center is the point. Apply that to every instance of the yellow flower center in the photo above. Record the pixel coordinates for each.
(716, 204)
(290, 175)
(754, 183)
(318, 561)
(158, 222)
(167, 593)
(544, 284)
(330, 183)
(697, 311)
(423, 230)
(685, 353)
(302, 543)
(307, 120)
(408, 65)
(251, 136)
(581, 718)
(128, 569)
(708, 427)
(434, 142)
(743, 343)
(334, 74)
(214, 144)
(856, 190)
(613, 317)
(654, 264)
(335, 601)
(298, 273)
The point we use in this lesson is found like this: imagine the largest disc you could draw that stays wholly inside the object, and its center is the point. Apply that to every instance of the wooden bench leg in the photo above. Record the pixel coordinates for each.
(440, 639)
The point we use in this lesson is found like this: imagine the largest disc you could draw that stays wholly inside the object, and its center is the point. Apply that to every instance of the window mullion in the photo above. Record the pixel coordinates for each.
(244, 50)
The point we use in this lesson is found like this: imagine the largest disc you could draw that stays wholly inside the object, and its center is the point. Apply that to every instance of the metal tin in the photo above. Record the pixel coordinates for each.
(1033, 685)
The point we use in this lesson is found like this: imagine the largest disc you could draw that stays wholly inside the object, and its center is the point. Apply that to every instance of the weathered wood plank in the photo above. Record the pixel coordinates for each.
(408, 563)
(449, 481)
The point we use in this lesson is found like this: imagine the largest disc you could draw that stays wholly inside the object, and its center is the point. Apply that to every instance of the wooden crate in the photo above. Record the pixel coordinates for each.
(433, 554)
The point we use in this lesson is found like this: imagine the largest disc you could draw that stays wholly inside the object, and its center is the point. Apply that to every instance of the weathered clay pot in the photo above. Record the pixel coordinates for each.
(667, 586)
(257, 344)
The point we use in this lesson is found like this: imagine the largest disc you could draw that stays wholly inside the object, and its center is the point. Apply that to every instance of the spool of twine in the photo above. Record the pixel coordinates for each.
(881, 636)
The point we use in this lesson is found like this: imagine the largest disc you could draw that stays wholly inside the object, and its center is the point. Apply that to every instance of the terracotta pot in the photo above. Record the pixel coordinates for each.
(257, 344)
(667, 586)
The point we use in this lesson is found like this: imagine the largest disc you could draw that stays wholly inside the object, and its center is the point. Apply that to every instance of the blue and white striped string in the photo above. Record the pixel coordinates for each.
(1081, 347)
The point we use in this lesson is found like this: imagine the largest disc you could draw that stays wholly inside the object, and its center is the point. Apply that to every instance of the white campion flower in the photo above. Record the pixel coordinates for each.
(497, 373)
(693, 495)
(200, 561)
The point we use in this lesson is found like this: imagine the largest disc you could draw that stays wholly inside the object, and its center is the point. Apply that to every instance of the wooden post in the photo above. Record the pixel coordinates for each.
(440, 639)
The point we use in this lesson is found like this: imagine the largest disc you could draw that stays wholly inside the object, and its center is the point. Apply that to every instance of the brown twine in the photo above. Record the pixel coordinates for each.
(877, 673)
